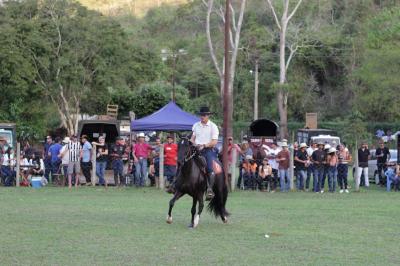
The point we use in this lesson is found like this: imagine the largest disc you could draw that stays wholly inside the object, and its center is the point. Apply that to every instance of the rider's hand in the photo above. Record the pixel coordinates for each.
(200, 147)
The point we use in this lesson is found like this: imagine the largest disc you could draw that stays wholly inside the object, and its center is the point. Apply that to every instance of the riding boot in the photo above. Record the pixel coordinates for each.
(210, 185)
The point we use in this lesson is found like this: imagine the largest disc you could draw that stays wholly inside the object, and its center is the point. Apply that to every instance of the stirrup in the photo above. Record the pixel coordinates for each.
(210, 194)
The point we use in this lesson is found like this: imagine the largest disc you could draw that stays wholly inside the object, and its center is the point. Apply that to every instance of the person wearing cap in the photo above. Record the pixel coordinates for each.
(205, 137)
(170, 158)
(332, 162)
(86, 163)
(118, 153)
(249, 172)
(140, 153)
(265, 176)
(300, 161)
(344, 158)
(283, 159)
(318, 158)
(46, 157)
(64, 156)
(363, 158)
(54, 151)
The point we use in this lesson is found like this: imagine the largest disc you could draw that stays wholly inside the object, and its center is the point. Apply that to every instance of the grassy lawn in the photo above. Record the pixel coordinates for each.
(92, 226)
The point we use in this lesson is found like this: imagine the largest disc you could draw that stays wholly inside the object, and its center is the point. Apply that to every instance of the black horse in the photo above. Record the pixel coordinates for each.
(191, 179)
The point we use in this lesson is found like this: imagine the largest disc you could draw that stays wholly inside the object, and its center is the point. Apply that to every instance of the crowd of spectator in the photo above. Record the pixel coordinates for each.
(264, 166)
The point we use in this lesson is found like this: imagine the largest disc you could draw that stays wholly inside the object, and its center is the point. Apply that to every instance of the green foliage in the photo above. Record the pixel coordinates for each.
(148, 98)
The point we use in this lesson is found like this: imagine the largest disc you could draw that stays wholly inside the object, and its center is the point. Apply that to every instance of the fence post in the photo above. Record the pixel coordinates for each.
(233, 169)
(94, 148)
(18, 163)
(161, 177)
(356, 172)
(291, 167)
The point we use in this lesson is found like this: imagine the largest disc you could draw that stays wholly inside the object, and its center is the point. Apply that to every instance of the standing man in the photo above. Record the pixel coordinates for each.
(363, 157)
(75, 155)
(101, 160)
(140, 155)
(86, 159)
(283, 160)
(318, 159)
(55, 161)
(301, 163)
(170, 158)
(382, 158)
(46, 157)
(118, 152)
(156, 157)
(205, 136)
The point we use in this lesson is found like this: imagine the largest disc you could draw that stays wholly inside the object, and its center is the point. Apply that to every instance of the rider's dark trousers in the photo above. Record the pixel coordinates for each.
(211, 155)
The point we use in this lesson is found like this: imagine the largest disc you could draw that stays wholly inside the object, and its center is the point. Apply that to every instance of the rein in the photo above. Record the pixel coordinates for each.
(190, 155)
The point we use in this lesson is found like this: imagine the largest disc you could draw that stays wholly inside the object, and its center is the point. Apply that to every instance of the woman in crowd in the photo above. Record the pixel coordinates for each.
(344, 158)
(265, 176)
(245, 150)
(332, 163)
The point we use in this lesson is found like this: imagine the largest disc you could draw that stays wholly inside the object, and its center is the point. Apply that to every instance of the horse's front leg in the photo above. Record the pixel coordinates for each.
(193, 211)
(177, 195)
(201, 206)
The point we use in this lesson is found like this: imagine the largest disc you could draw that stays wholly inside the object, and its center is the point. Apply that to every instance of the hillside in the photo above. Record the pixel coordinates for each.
(136, 7)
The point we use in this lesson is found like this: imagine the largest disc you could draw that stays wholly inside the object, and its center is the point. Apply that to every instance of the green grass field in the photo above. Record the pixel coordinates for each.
(92, 226)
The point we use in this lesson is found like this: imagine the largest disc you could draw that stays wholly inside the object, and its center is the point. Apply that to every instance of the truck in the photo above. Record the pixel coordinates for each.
(310, 136)
(9, 132)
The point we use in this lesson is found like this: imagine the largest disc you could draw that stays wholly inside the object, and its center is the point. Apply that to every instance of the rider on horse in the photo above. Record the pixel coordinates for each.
(205, 137)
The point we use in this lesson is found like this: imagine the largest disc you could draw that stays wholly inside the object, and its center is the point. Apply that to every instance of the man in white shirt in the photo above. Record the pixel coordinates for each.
(205, 137)
(272, 153)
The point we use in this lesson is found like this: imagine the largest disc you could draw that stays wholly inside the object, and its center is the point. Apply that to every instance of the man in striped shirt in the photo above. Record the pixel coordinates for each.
(74, 148)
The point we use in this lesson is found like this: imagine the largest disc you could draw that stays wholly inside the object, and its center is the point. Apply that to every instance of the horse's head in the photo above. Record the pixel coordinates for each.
(185, 150)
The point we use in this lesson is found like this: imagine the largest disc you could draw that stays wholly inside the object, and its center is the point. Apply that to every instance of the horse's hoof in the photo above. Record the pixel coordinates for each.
(196, 221)
(225, 220)
(190, 226)
(169, 219)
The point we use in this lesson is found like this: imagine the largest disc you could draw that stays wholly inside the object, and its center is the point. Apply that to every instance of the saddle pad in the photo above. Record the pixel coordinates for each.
(216, 168)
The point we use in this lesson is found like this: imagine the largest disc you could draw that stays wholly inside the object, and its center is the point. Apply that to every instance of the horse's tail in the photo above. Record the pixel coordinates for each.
(217, 204)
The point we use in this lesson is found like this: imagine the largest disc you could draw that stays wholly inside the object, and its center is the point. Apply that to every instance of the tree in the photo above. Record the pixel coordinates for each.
(284, 61)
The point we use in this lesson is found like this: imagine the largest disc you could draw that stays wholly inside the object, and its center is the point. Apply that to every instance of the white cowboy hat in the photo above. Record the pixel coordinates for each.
(140, 135)
(332, 150)
(284, 144)
(303, 145)
(66, 140)
(327, 147)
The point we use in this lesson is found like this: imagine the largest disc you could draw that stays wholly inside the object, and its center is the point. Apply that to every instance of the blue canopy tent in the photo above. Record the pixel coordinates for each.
(168, 118)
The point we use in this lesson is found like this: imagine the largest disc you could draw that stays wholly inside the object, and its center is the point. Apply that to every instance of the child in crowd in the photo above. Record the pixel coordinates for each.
(265, 176)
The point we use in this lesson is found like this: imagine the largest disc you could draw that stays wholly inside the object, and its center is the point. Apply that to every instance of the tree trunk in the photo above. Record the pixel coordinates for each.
(256, 92)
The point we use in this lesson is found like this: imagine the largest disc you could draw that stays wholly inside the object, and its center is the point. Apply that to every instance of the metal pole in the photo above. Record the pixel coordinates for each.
(291, 167)
(18, 163)
(233, 169)
(256, 92)
(161, 177)
(173, 77)
(356, 172)
(94, 165)
(226, 96)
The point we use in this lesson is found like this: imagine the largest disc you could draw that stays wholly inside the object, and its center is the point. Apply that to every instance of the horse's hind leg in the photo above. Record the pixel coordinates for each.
(177, 195)
(193, 211)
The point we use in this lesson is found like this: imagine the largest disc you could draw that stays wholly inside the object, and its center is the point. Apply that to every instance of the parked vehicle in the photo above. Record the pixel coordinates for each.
(309, 135)
(9, 132)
